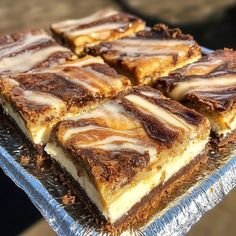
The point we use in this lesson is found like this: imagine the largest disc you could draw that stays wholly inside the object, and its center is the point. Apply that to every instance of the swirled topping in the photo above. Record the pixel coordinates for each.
(29, 51)
(68, 26)
(135, 48)
(104, 25)
(216, 83)
(63, 90)
(217, 61)
(210, 82)
(149, 54)
(130, 132)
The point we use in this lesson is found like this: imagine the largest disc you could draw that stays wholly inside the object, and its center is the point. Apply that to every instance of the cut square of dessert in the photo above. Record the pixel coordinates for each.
(208, 86)
(36, 101)
(102, 26)
(150, 54)
(121, 153)
(218, 60)
(30, 51)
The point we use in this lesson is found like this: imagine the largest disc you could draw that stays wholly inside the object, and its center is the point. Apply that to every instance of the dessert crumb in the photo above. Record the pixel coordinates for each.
(39, 160)
(24, 160)
(68, 199)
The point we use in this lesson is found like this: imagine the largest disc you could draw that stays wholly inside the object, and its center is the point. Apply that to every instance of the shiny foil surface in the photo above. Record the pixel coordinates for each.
(175, 216)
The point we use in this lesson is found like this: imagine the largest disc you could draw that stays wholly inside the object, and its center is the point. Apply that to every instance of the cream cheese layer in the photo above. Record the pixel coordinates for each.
(128, 146)
(114, 210)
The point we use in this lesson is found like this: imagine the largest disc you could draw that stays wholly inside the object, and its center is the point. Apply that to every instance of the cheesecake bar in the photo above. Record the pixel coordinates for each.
(208, 86)
(30, 51)
(219, 60)
(150, 54)
(37, 100)
(102, 26)
(126, 149)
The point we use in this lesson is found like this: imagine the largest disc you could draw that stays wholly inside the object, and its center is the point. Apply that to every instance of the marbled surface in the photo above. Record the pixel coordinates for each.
(17, 15)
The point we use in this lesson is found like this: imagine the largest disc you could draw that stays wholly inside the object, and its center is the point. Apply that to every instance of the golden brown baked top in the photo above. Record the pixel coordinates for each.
(219, 60)
(30, 51)
(69, 87)
(99, 26)
(159, 41)
(150, 53)
(210, 82)
(120, 137)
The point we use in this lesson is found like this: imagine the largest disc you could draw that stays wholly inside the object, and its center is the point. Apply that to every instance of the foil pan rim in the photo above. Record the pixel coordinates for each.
(35, 191)
(177, 220)
(196, 202)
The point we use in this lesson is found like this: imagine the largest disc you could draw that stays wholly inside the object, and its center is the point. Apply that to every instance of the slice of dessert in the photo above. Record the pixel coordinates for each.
(30, 51)
(150, 54)
(124, 153)
(219, 60)
(208, 86)
(102, 26)
(36, 101)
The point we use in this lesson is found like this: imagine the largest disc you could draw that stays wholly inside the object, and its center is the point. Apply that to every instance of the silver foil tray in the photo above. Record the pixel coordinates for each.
(205, 190)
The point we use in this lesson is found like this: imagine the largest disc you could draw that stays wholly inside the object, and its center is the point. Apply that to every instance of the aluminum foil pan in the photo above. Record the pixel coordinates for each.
(179, 212)
(207, 188)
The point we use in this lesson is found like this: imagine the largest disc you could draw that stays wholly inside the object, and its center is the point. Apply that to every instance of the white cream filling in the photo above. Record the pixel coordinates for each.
(158, 112)
(25, 61)
(87, 60)
(116, 140)
(147, 51)
(201, 68)
(201, 84)
(29, 40)
(134, 195)
(154, 42)
(72, 167)
(68, 25)
(37, 135)
(43, 98)
(150, 94)
(9, 111)
(95, 30)
(122, 204)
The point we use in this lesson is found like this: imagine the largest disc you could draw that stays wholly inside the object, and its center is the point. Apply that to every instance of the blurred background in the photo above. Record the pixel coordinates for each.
(211, 22)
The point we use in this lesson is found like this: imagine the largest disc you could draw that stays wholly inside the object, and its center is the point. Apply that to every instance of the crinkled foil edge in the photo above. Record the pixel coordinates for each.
(195, 203)
(177, 220)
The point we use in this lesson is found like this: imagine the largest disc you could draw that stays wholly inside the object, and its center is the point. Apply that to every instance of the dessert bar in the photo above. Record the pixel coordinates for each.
(36, 101)
(126, 149)
(208, 86)
(219, 60)
(150, 54)
(32, 50)
(102, 26)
